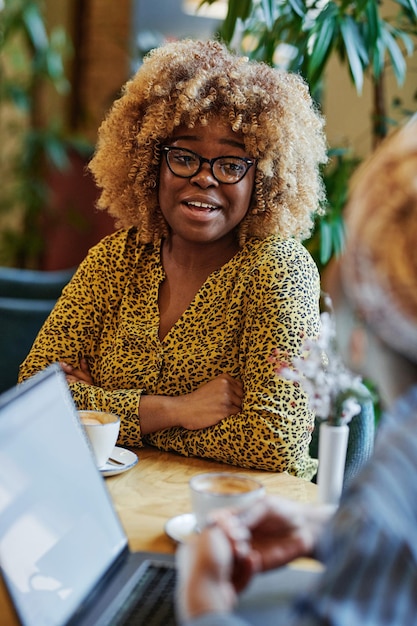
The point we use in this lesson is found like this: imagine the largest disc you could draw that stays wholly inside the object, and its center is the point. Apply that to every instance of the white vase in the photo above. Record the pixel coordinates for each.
(333, 442)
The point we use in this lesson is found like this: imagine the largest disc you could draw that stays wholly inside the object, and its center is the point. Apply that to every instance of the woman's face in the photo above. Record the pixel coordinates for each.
(200, 209)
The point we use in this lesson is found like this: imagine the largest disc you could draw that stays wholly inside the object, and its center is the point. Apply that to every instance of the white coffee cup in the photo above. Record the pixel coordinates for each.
(102, 430)
(215, 490)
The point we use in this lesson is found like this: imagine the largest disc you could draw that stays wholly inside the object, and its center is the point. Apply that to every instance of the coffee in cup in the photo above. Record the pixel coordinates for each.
(102, 430)
(215, 490)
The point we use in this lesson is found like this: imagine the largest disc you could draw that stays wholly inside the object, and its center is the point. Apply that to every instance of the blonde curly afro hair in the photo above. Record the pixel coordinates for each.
(190, 82)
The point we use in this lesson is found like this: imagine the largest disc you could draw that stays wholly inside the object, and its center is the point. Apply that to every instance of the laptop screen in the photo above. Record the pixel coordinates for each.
(58, 530)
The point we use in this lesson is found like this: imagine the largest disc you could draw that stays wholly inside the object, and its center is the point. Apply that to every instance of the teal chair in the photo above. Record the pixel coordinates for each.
(33, 284)
(26, 299)
(360, 443)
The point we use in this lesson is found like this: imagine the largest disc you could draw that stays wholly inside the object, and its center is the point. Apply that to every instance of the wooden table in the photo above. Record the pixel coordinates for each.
(156, 489)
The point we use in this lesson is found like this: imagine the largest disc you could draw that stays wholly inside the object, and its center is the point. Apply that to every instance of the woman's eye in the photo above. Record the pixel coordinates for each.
(232, 167)
(184, 159)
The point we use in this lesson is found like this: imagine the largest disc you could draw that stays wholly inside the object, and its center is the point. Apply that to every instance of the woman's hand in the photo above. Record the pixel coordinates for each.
(202, 408)
(77, 375)
(211, 402)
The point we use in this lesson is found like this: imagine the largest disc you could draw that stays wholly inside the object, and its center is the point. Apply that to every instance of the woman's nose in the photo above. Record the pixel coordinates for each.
(204, 177)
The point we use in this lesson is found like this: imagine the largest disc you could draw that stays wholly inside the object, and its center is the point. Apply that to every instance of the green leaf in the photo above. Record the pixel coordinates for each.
(338, 235)
(268, 13)
(409, 5)
(398, 62)
(322, 37)
(237, 9)
(18, 94)
(372, 26)
(54, 65)
(298, 7)
(406, 41)
(325, 242)
(355, 50)
(57, 153)
(35, 27)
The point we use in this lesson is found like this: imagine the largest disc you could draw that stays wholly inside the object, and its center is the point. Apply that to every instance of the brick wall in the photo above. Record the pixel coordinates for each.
(102, 59)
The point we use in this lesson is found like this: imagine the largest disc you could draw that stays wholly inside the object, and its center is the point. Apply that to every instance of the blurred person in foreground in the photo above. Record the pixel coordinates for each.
(210, 164)
(369, 546)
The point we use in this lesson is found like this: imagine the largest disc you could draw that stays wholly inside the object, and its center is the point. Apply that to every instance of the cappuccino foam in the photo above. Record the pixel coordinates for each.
(226, 485)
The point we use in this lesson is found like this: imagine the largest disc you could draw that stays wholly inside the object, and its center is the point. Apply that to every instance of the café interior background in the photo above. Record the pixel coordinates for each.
(111, 35)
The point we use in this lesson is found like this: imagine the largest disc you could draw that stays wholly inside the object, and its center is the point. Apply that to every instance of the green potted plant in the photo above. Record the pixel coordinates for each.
(36, 150)
(30, 58)
(366, 38)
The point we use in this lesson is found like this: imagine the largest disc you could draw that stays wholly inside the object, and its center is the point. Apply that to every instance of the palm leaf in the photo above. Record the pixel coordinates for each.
(322, 38)
(398, 62)
(355, 50)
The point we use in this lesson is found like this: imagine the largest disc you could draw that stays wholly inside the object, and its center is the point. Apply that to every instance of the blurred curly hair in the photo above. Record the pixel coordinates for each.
(379, 264)
(191, 82)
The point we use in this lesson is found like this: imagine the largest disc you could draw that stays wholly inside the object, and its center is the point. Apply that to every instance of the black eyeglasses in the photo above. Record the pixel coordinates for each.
(225, 169)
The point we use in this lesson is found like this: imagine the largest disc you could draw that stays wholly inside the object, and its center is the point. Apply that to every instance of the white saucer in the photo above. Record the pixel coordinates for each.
(180, 527)
(126, 457)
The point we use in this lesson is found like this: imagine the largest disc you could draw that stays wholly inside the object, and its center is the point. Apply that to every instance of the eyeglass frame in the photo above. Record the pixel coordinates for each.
(248, 162)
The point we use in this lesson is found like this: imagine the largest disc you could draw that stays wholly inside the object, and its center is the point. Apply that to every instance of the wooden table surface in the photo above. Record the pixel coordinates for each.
(156, 489)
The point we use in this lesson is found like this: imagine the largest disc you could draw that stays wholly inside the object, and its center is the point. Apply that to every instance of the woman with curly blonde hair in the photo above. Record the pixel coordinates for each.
(209, 164)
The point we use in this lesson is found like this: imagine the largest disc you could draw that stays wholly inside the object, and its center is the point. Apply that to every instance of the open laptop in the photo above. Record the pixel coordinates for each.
(64, 556)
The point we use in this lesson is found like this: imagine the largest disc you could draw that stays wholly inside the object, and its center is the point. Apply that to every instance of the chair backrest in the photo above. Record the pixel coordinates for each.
(361, 440)
(26, 299)
(33, 284)
(20, 322)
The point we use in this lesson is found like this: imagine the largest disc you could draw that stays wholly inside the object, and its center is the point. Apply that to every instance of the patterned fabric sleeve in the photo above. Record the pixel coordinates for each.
(84, 316)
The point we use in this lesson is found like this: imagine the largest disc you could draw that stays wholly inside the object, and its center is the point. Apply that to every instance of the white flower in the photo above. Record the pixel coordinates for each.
(333, 390)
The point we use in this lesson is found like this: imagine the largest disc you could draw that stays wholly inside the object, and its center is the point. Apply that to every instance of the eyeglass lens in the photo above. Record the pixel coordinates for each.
(186, 163)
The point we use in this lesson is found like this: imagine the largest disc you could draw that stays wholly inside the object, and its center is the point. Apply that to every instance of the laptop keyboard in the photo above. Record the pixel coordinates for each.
(154, 602)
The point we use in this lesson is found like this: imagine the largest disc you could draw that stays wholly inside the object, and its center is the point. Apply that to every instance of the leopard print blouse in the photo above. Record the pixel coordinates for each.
(265, 297)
